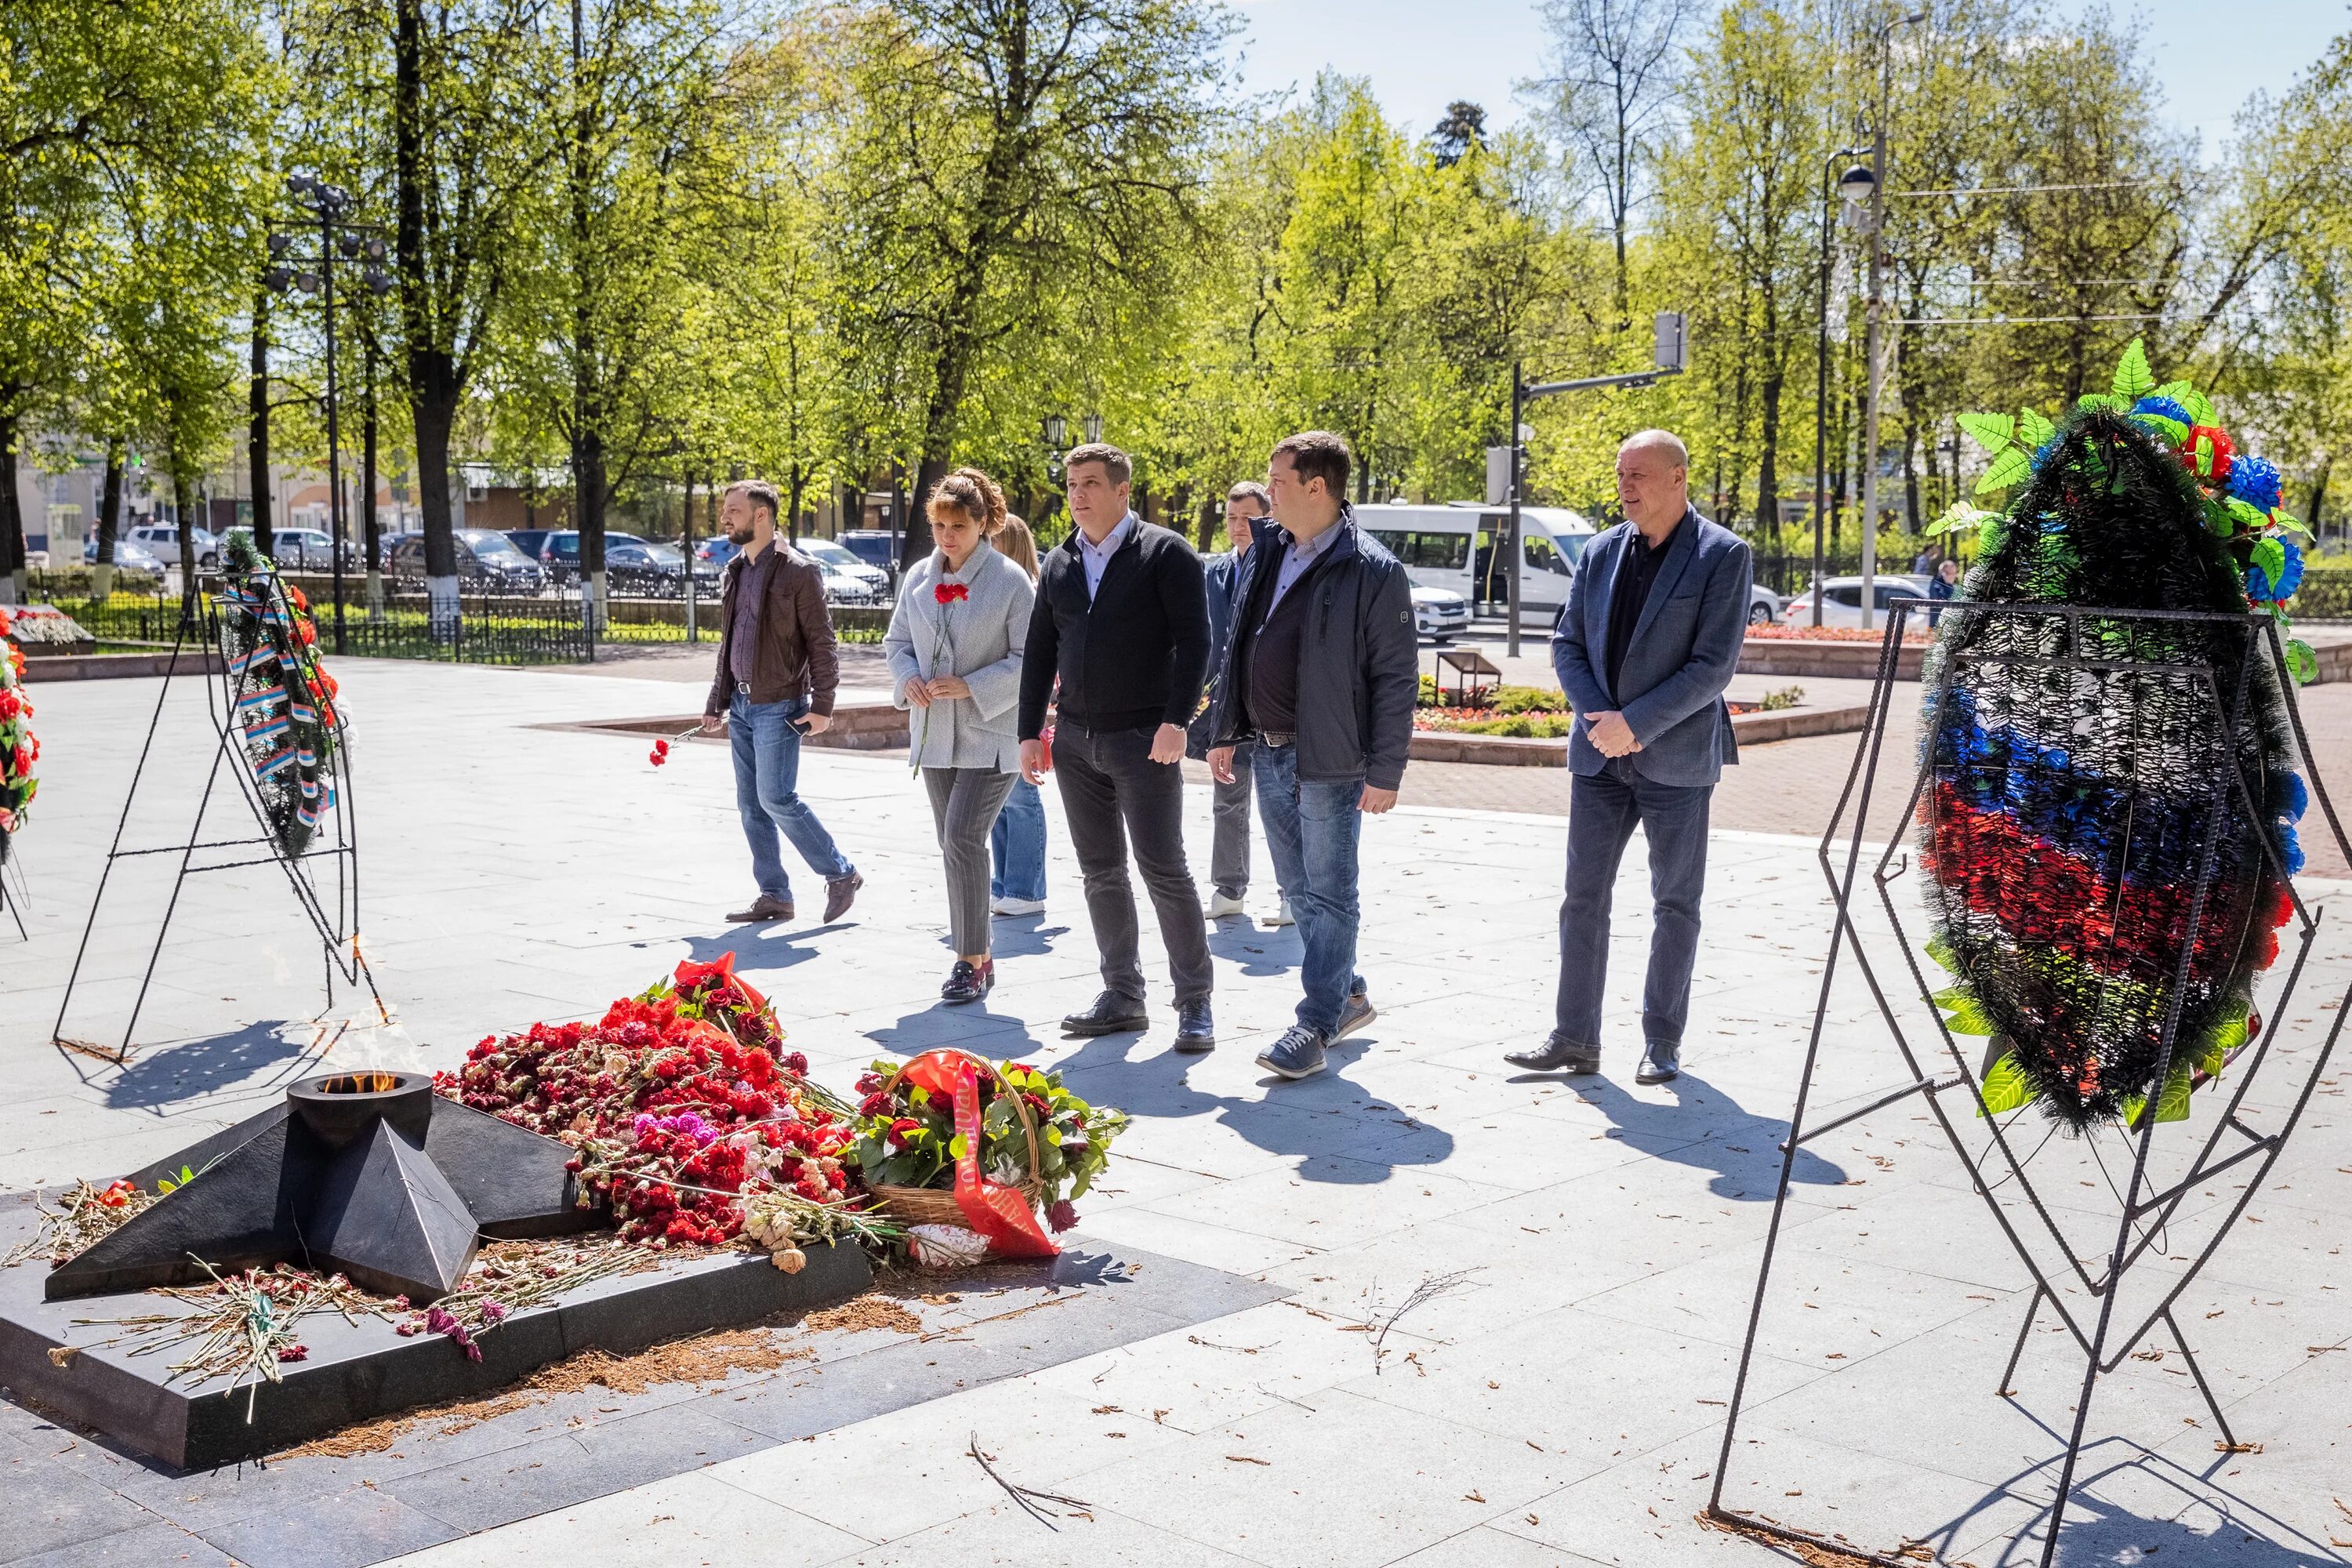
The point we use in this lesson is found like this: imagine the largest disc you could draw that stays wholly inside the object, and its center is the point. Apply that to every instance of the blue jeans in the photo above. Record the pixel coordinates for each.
(1602, 810)
(767, 771)
(1311, 831)
(1017, 845)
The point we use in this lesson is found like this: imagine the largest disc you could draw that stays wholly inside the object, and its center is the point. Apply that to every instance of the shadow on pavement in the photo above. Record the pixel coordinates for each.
(1741, 1149)
(1335, 1139)
(2174, 1515)
(155, 1078)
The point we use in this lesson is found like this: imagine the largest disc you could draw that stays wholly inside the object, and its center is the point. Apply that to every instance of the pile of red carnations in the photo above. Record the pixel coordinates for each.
(675, 1103)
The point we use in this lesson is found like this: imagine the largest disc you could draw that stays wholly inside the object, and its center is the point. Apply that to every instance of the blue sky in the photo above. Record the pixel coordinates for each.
(1423, 54)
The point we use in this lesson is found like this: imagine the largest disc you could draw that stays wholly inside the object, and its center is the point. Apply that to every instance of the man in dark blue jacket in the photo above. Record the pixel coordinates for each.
(1649, 639)
(1321, 675)
(1229, 858)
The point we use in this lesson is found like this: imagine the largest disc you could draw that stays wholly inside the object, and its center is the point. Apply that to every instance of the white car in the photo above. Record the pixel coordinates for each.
(1440, 614)
(1842, 605)
(841, 588)
(161, 539)
(842, 558)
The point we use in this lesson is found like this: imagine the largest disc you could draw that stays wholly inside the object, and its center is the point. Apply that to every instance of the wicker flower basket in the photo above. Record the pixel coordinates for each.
(938, 1205)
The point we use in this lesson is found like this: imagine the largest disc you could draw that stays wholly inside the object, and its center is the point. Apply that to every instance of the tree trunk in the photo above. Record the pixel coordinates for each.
(588, 499)
(183, 500)
(2312, 514)
(371, 529)
(258, 425)
(1767, 471)
(432, 375)
(1911, 470)
(109, 521)
(11, 517)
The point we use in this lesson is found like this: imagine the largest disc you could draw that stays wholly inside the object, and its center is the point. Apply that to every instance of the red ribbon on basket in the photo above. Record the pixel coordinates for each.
(1000, 1214)
(720, 972)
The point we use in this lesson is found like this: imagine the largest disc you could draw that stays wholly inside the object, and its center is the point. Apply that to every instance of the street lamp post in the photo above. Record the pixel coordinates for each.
(1855, 186)
(1870, 355)
(337, 235)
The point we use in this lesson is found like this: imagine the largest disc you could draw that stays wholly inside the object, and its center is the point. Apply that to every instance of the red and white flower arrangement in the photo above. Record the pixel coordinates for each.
(18, 750)
(677, 1102)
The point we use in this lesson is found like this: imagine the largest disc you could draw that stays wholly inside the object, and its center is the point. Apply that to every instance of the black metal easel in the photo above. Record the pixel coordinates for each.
(333, 913)
(2142, 1220)
(10, 861)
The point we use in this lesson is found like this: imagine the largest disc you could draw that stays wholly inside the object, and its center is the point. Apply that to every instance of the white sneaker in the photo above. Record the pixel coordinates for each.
(1281, 915)
(1223, 904)
(1016, 906)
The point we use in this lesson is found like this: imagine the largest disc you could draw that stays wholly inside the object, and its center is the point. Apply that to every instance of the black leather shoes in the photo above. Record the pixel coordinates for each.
(969, 981)
(1196, 1031)
(1111, 1014)
(1660, 1063)
(1556, 1055)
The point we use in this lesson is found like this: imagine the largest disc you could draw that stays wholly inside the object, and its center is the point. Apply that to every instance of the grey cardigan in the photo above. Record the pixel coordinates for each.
(980, 637)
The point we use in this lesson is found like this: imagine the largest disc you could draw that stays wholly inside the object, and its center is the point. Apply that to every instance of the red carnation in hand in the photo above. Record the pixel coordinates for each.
(949, 592)
(659, 754)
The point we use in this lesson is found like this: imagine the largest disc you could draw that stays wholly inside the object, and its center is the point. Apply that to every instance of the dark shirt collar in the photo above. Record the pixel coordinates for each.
(1641, 541)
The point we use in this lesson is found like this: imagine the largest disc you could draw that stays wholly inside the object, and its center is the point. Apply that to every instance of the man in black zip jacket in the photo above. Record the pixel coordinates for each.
(1321, 676)
(1122, 620)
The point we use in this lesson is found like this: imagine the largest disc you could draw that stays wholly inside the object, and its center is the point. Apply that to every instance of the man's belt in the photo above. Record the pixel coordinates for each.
(1276, 738)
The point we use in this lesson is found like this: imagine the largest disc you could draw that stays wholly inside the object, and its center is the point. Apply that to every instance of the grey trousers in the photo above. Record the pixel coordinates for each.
(964, 804)
(1229, 858)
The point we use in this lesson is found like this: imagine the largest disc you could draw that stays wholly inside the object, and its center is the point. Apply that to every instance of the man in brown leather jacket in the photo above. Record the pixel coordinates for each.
(775, 685)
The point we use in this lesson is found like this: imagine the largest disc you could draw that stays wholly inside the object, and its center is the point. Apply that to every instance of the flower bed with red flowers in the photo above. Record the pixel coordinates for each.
(18, 750)
(677, 1103)
(1830, 633)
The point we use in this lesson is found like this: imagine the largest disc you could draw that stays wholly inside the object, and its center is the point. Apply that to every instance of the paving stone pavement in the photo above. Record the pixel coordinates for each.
(1559, 1403)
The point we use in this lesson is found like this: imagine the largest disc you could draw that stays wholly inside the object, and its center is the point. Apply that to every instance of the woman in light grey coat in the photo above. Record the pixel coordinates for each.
(954, 647)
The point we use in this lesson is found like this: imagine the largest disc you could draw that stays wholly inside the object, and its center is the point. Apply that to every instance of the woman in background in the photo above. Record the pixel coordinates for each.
(954, 646)
(1017, 844)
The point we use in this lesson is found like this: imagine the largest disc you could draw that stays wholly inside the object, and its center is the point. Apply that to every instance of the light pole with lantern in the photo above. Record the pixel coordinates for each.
(1056, 428)
(1855, 186)
(1874, 233)
(353, 242)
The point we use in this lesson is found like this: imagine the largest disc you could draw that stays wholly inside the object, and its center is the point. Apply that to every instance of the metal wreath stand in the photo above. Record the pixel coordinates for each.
(333, 913)
(2142, 1219)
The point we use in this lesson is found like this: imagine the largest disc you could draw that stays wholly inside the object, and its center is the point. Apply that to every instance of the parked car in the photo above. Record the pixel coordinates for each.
(303, 549)
(1453, 547)
(1440, 614)
(487, 561)
(715, 551)
(161, 539)
(384, 544)
(634, 567)
(842, 558)
(841, 588)
(1842, 605)
(877, 547)
(128, 557)
(529, 539)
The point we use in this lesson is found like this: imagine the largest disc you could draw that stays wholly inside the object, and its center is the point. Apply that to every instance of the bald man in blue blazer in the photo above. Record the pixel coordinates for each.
(1647, 643)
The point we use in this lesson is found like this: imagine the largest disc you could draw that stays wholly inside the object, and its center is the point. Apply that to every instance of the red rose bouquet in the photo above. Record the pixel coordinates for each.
(677, 1103)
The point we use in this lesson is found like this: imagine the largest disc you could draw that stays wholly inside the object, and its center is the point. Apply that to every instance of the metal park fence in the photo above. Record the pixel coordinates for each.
(554, 627)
